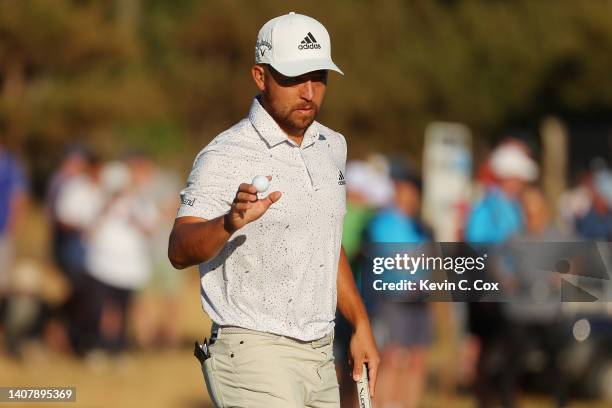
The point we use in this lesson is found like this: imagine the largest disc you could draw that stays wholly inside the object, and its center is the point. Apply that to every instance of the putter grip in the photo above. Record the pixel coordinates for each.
(363, 389)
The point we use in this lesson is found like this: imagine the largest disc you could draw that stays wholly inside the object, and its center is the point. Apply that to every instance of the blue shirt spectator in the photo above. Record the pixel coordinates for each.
(391, 225)
(595, 226)
(495, 218)
(12, 183)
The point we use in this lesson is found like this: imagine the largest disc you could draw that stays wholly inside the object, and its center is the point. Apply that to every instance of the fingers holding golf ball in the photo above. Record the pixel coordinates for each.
(261, 183)
(247, 207)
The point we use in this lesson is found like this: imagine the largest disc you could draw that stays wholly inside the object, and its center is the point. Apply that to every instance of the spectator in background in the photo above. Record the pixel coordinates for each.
(495, 219)
(539, 226)
(596, 223)
(13, 199)
(118, 260)
(156, 310)
(368, 189)
(498, 215)
(404, 329)
(576, 202)
(535, 311)
(75, 199)
(74, 165)
(67, 249)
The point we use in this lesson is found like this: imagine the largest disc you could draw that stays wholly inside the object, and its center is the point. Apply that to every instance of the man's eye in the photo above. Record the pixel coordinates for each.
(289, 81)
(322, 77)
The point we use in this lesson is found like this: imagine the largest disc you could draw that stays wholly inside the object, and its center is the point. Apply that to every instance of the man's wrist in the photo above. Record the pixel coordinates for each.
(227, 224)
(361, 324)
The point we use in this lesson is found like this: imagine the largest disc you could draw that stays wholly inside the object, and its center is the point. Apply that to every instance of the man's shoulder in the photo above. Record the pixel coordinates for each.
(330, 134)
(237, 135)
(240, 133)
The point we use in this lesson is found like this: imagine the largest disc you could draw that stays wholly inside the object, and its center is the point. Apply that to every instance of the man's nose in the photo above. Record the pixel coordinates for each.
(307, 91)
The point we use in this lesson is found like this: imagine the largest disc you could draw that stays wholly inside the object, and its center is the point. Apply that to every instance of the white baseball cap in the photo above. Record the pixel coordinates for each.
(294, 44)
(509, 160)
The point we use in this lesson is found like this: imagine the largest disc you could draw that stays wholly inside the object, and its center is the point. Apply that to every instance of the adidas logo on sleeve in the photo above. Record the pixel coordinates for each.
(309, 43)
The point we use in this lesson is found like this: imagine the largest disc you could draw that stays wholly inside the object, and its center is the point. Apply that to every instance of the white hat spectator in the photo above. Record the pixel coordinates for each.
(374, 186)
(511, 161)
(115, 177)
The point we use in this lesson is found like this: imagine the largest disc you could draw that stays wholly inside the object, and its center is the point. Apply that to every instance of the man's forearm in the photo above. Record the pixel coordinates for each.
(350, 303)
(362, 348)
(194, 240)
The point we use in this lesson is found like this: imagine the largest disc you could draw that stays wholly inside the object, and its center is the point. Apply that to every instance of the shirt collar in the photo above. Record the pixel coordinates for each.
(271, 132)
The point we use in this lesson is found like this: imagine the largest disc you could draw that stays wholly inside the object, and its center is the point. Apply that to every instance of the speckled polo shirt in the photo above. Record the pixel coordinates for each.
(278, 273)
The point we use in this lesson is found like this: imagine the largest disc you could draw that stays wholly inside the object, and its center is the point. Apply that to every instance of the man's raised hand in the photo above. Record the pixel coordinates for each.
(247, 207)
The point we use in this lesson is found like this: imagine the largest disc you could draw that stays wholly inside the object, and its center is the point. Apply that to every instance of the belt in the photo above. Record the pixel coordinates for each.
(218, 329)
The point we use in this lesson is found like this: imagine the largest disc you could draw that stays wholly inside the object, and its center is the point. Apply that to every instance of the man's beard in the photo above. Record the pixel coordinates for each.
(292, 121)
(300, 123)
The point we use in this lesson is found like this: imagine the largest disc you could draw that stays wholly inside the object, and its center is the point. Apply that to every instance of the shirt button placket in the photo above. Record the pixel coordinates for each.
(308, 170)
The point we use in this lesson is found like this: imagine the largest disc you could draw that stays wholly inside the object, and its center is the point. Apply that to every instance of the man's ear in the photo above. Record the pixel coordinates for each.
(259, 76)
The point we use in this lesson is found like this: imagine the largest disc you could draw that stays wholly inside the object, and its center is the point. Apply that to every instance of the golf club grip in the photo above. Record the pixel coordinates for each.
(363, 389)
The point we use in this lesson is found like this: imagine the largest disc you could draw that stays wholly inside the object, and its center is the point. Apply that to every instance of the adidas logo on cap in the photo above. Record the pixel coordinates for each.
(309, 43)
(289, 45)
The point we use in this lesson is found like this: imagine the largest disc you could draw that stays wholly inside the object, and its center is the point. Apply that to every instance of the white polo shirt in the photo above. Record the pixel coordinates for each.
(276, 274)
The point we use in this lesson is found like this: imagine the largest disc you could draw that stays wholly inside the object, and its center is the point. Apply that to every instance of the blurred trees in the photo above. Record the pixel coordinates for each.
(168, 75)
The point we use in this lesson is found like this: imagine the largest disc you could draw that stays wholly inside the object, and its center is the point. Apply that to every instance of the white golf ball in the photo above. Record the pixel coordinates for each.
(261, 183)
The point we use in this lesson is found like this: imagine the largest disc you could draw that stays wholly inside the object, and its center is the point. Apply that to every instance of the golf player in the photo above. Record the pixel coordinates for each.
(272, 269)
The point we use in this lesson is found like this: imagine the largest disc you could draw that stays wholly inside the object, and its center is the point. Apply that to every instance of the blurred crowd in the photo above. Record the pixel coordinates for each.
(494, 345)
(110, 221)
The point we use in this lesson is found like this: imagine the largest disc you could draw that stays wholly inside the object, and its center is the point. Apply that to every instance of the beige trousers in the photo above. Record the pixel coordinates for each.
(250, 369)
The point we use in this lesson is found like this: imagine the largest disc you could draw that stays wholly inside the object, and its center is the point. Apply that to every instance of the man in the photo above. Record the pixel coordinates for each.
(595, 223)
(75, 182)
(494, 220)
(536, 317)
(498, 215)
(405, 326)
(272, 268)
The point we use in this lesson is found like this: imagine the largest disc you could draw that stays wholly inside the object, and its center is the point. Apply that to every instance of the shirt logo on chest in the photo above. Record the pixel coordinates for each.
(341, 179)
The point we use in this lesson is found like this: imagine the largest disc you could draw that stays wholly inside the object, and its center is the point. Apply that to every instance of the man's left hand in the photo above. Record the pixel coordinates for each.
(363, 350)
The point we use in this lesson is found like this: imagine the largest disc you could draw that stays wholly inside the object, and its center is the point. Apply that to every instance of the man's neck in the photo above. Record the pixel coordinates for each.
(296, 139)
(294, 134)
